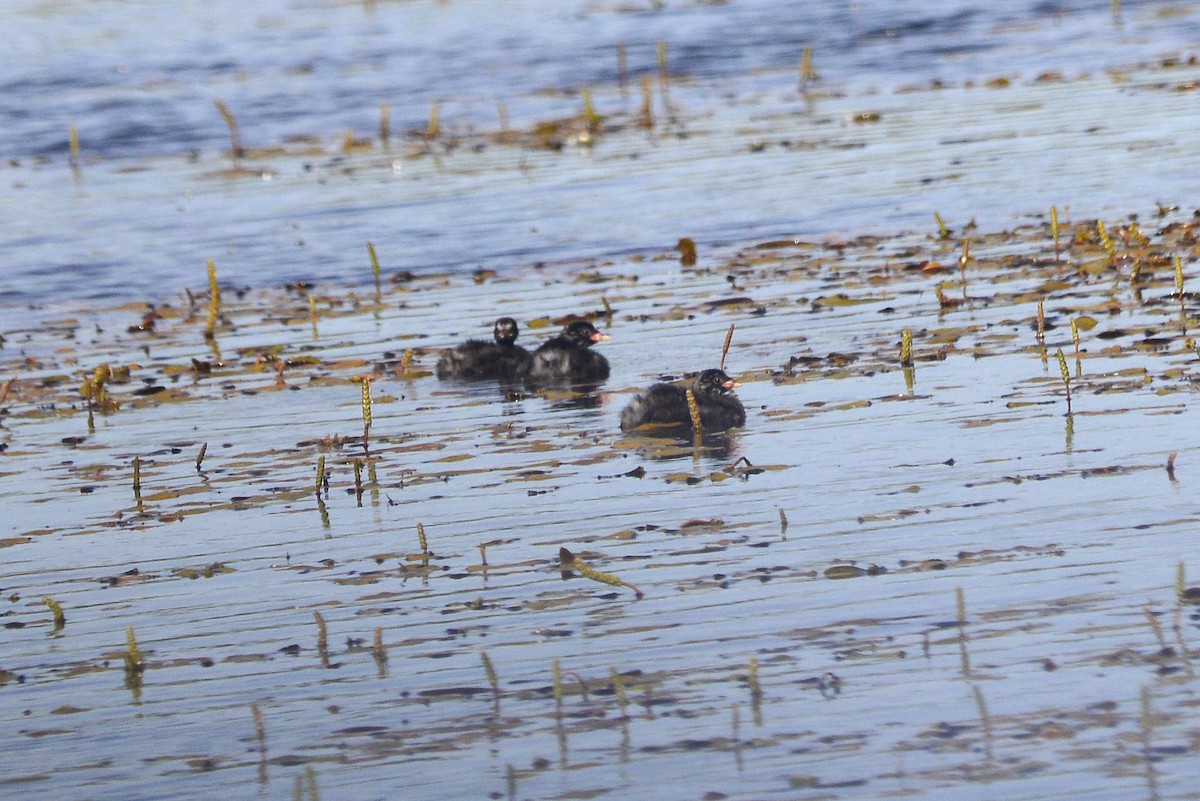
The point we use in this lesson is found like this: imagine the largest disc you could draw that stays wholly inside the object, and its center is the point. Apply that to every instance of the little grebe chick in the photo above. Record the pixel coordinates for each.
(568, 358)
(478, 360)
(666, 405)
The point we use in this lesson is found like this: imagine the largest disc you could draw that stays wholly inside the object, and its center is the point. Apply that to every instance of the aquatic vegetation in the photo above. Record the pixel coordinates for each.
(570, 562)
(1066, 377)
(807, 73)
(135, 663)
(60, 619)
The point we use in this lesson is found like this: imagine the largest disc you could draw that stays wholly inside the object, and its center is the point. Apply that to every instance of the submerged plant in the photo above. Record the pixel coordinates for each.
(366, 410)
(137, 481)
(943, 231)
(385, 123)
(1066, 377)
(434, 127)
(235, 137)
(73, 147)
(422, 541)
(752, 680)
(619, 688)
(960, 605)
(569, 561)
(320, 475)
(646, 115)
(490, 670)
(322, 639)
(590, 116)
(56, 609)
(906, 357)
(135, 663)
(807, 73)
(214, 301)
(378, 651)
(375, 270)
(1054, 229)
(694, 411)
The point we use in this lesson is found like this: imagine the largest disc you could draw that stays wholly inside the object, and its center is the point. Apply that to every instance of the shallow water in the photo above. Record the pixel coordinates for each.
(799, 633)
(1063, 532)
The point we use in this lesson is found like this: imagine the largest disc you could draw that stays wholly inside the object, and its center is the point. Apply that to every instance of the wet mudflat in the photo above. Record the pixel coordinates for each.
(964, 572)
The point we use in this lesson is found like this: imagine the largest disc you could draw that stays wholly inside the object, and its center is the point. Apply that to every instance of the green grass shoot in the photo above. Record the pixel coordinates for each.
(943, 231)
(320, 475)
(556, 683)
(1041, 323)
(421, 539)
(906, 357)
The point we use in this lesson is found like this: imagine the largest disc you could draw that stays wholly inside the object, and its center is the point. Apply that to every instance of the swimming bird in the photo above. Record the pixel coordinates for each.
(666, 405)
(477, 360)
(568, 358)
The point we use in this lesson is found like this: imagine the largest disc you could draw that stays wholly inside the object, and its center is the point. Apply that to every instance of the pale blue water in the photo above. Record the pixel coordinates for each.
(139, 81)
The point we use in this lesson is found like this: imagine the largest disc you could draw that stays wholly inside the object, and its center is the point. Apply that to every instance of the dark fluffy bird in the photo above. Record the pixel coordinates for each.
(568, 358)
(477, 360)
(666, 404)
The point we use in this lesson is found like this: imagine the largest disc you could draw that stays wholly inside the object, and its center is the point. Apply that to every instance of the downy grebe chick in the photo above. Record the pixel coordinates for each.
(478, 360)
(666, 405)
(568, 358)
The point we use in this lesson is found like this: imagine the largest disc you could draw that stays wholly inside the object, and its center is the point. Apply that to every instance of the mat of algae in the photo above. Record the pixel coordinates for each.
(800, 631)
